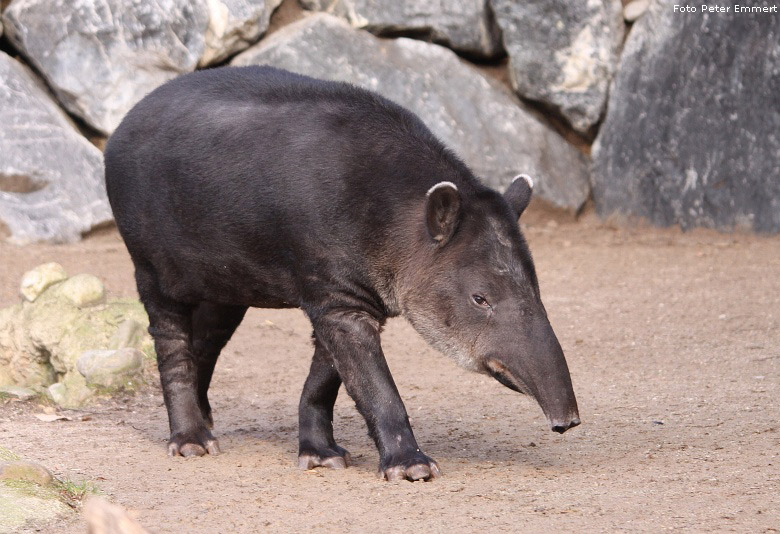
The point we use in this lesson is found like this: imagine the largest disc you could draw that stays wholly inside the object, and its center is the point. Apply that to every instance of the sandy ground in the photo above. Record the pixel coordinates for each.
(672, 340)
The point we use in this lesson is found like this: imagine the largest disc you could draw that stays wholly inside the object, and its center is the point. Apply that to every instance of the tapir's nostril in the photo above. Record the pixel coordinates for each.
(560, 428)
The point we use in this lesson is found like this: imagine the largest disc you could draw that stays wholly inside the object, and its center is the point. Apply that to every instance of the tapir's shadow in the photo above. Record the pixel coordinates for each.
(460, 443)
(465, 447)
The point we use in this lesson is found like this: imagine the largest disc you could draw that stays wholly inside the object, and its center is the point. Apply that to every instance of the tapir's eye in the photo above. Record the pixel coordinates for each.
(479, 300)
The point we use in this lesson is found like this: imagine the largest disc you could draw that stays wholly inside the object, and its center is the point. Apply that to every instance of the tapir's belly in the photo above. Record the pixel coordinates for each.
(205, 272)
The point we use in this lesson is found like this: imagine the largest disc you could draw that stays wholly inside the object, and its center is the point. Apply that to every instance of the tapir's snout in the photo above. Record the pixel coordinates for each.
(539, 370)
(562, 426)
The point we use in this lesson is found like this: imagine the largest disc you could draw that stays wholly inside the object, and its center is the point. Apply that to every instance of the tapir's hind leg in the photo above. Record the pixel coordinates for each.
(212, 327)
(315, 415)
(170, 324)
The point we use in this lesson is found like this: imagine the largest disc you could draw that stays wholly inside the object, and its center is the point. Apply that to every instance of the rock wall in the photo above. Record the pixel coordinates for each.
(690, 134)
(485, 125)
(51, 177)
(563, 53)
(467, 26)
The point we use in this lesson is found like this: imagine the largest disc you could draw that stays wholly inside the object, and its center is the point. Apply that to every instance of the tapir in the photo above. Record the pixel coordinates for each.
(257, 187)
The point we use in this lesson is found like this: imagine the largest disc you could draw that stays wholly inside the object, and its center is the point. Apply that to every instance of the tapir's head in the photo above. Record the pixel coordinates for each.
(474, 295)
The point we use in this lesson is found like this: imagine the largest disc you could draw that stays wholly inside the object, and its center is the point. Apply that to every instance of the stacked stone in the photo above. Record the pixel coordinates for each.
(684, 118)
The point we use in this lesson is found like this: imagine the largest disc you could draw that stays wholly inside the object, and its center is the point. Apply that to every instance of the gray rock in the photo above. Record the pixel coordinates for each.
(235, 25)
(563, 53)
(103, 56)
(17, 392)
(484, 124)
(51, 178)
(692, 133)
(110, 368)
(464, 25)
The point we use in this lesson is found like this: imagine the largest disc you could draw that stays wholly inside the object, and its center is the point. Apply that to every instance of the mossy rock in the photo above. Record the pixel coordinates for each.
(30, 496)
(41, 340)
(36, 281)
(26, 503)
(23, 471)
(16, 392)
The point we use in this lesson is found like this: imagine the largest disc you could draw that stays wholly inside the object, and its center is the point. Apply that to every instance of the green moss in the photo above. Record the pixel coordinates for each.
(69, 492)
(73, 493)
(41, 341)
(8, 456)
(23, 503)
(31, 489)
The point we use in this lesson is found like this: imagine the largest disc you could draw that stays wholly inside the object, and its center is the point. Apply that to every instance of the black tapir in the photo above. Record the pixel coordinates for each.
(238, 187)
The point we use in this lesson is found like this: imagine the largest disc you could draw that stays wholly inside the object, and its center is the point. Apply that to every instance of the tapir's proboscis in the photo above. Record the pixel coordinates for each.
(256, 187)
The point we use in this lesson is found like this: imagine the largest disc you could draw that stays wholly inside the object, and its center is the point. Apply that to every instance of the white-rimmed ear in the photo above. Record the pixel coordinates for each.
(442, 211)
(518, 194)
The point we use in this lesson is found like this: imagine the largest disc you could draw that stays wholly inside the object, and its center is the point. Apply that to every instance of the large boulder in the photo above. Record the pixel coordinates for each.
(692, 134)
(484, 124)
(563, 53)
(51, 178)
(103, 56)
(464, 25)
(235, 25)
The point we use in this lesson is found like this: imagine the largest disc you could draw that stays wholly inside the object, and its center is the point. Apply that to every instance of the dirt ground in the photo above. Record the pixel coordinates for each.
(672, 341)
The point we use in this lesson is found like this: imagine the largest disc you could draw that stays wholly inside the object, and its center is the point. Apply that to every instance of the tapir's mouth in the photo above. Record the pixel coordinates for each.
(500, 372)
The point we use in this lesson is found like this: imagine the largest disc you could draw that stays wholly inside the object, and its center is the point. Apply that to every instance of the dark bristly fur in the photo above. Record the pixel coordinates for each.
(239, 187)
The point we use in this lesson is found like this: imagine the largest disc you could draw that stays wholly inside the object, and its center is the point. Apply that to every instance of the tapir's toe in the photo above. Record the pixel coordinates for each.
(419, 467)
(333, 457)
(193, 444)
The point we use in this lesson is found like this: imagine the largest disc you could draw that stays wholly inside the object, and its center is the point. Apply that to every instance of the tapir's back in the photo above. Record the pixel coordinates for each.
(266, 176)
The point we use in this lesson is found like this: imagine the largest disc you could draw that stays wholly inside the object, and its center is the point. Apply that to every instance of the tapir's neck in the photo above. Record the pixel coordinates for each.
(407, 257)
(403, 255)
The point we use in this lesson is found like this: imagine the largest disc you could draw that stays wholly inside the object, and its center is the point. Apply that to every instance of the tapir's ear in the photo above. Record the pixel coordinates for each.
(442, 211)
(518, 194)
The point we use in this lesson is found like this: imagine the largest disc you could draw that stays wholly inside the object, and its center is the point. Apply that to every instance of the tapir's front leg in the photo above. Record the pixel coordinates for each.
(352, 338)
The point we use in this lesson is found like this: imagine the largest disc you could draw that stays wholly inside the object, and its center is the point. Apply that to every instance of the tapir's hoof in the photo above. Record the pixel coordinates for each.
(193, 444)
(418, 467)
(333, 457)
